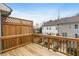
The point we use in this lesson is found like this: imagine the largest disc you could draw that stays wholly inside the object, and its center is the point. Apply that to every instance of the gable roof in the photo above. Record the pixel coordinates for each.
(62, 21)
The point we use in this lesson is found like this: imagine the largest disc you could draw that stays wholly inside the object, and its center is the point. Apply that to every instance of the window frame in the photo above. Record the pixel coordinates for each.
(76, 26)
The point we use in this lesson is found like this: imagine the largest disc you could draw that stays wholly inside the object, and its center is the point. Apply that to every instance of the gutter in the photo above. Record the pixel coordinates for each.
(9, 8)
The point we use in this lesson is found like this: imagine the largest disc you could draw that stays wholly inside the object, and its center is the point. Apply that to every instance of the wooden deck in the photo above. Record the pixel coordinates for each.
(31, 50)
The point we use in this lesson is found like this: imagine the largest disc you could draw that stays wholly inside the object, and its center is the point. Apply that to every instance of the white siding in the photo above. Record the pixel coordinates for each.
(69, 29)
(49, 30)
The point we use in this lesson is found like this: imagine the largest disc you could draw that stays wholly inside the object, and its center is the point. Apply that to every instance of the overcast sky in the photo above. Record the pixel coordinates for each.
(42, 12)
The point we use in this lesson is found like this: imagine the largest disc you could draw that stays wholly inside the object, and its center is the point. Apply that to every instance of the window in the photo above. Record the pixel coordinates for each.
(49, 28)
(76, 35)
(76, 26)
(64, 34)
(56, 28)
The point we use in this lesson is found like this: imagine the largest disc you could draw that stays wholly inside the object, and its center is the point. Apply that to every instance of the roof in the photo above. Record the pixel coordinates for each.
(5, 9)
(72, 19)
(8, 7)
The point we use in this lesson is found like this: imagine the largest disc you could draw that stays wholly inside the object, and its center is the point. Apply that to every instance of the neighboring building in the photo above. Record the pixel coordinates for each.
(67, 27)
(37, 29)
(49, 28)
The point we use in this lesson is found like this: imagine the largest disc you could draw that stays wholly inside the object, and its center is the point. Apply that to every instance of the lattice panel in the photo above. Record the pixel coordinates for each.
(12, 20)
(17, 21)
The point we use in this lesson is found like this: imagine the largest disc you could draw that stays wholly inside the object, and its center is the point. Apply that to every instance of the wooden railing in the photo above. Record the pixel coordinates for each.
(68, 46)
(13, 41)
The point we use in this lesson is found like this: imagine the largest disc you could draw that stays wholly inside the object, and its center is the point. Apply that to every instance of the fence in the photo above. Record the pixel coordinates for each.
(15, 26)
(13, 41)
(15, 32)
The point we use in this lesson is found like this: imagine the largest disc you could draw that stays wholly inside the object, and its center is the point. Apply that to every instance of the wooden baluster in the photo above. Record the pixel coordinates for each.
(63, 46)
(66, 46)
(57, 44)
(73, 48)
(53, 43)
(69, 43)
(70, 47)
(49, 43)
(77, 48)
(60, 44)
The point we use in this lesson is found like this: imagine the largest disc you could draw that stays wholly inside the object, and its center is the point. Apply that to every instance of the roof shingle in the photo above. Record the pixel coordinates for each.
(62, 21)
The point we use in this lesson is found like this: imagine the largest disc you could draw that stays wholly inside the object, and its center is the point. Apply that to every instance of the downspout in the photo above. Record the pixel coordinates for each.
(0, 34)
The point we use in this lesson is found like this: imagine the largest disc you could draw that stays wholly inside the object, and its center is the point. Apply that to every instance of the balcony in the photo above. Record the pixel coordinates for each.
(39, 45)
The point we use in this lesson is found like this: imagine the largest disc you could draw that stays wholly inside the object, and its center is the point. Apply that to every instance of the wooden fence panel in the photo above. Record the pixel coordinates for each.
(16, 26)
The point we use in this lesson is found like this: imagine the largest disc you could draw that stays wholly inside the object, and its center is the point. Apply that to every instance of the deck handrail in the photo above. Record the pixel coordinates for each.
(72, 44)
(50, 36)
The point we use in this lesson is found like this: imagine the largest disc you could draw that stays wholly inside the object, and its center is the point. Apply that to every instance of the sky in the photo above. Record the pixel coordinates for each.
(42, 12)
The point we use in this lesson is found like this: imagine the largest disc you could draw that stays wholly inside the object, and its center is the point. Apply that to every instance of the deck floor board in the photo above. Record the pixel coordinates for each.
(31, 50)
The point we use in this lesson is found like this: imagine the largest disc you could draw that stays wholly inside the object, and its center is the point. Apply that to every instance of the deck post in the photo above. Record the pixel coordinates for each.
(48, 43)
(78, 48)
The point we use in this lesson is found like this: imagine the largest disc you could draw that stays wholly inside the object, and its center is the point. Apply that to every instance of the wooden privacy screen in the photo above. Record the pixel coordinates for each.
(15, 26)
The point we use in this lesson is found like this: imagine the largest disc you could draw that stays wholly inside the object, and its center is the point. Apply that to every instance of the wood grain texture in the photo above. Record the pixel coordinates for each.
(15, 26)
(31, 50)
